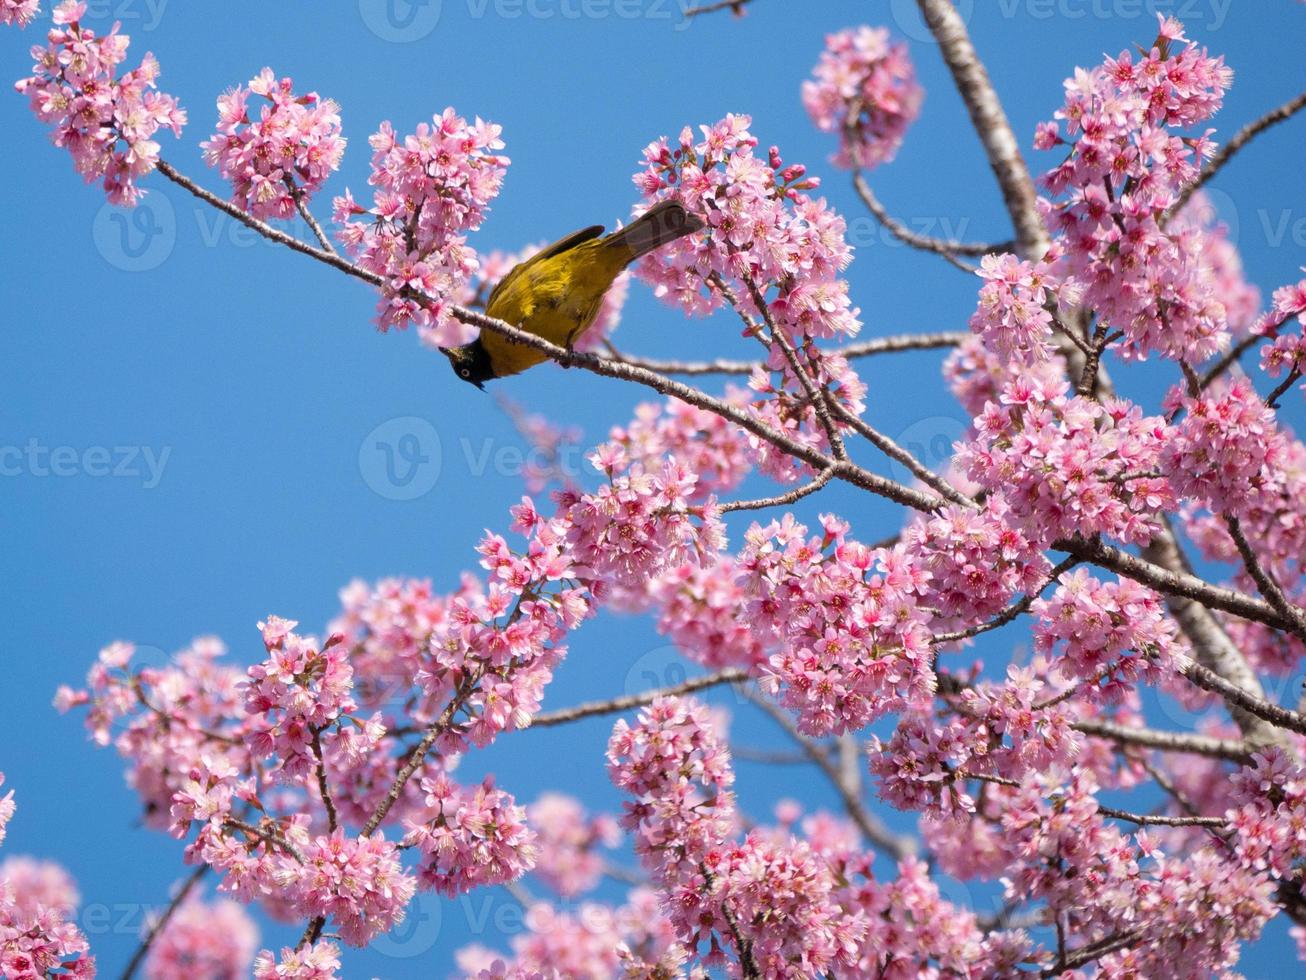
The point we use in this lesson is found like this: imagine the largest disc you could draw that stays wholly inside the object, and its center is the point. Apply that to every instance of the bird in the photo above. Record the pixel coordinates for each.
(556, 293)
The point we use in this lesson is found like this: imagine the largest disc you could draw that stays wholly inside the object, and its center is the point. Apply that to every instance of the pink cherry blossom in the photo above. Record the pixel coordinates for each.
(431, 188)
(203, 939)
(317, 961)
(20, 12)
(865, 91)
(277, 152)
(105, 120)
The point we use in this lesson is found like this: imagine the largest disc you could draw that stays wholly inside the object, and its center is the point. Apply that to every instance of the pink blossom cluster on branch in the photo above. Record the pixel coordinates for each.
(105, 120)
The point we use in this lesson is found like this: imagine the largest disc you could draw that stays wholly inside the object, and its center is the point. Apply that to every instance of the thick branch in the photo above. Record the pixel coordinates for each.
(1186, 742)
(991, 124)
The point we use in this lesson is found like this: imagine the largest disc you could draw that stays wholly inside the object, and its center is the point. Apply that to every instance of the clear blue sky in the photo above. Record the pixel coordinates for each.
(257, 372)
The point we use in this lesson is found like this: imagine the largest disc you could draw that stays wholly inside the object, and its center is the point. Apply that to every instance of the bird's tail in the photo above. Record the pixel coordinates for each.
(659, 225)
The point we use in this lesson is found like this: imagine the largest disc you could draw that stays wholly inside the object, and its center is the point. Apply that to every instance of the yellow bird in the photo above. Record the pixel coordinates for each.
(555, 294)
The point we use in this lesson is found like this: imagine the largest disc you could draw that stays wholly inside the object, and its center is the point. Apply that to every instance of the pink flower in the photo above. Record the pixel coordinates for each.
(569, 842)
(203, 939)
(107, 122)
(288, 151)
(865, 91)
(469, 838)
(318, 961)
(431, 188)
(20, 12)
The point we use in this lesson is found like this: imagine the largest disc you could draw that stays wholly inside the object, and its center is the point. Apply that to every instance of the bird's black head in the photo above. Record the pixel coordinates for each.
(470, 362)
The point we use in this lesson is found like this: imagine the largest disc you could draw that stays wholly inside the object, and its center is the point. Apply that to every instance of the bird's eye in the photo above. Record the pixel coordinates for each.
(465, 372)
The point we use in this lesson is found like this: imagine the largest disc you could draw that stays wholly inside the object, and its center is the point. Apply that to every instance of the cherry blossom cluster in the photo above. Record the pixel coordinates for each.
(1224, 449)
(105, 120)
(1269, 813)
(1013, 317)
(699, 609)
(771, 252)
(570, 842)
(854, 643)
(1129, 157)
(469, 837)
(168, 721)
(1000, 730)
(864, 90)
(39, 936)
(282, 157)
(295, 694)
(317, 961)
(1070, 464)
(639, 525)
(719, 453)
(431, 188)
(1115, 634)
(773, 900)
(203, 939)
(593, 942)
(977, 561)
(1190, 914)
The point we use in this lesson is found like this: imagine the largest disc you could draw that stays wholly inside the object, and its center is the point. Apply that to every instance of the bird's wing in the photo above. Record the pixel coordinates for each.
(557, 248)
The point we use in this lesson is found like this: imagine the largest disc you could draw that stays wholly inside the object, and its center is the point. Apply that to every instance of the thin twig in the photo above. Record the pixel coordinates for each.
(947, 247)
(613, 705)
(734, 6)
(866, 348)
(896, 452)
(1160, 820)
(323, 789)
(301, 205)
(781, 500)
(870, 826)
(1265, 581)
(1235, 144)
(162, 921)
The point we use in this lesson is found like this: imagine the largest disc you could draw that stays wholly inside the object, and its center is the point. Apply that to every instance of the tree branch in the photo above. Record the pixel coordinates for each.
(991, 125)
(162, 921)
(947, 247)
(1187, 742)
(614, 705)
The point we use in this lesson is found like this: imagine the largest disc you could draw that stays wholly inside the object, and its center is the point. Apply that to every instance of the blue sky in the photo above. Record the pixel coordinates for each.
(235, 388)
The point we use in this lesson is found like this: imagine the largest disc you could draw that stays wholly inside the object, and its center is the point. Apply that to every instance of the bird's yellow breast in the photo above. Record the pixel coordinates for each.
(556, 298)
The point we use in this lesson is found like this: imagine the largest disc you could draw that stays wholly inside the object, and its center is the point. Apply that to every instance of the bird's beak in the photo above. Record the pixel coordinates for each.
(443, 350)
